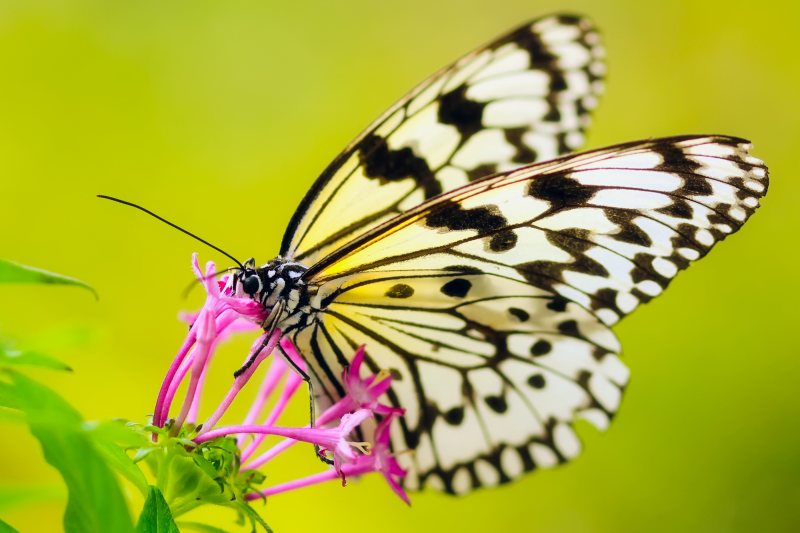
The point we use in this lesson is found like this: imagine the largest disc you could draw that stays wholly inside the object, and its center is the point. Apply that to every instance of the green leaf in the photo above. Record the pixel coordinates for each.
(255, 518)
(95, 501)
(8, 396)
(10, 357)
(5, 528)
(110, 438)
(156, 516)
(11, 272)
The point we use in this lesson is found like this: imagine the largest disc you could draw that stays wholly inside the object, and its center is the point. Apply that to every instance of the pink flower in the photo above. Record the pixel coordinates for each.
(221, 316)
(225, 313)
(333, 440)
(381, 460)
(362, 393)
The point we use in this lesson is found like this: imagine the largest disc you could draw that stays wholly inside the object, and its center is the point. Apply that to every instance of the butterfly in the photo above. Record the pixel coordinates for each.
(483, 263)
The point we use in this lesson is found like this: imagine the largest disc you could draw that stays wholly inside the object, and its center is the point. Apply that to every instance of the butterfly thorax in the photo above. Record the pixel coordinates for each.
(277, 282)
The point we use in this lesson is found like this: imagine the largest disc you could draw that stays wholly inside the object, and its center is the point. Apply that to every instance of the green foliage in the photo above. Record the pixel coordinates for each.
(111, 439)
(156, 516)
(5, 528)
(11, 272)
(9, 358)
(95, 500)
(190, 475)
(87, 454)
(187, 476)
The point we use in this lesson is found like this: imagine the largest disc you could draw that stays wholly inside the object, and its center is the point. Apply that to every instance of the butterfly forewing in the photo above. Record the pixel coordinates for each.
(523, 98)
(491, 303)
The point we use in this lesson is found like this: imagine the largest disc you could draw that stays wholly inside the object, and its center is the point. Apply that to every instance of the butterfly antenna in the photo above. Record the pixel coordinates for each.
(177, 227)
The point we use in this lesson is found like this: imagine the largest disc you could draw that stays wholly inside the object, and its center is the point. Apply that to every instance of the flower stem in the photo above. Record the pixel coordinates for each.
(163, 402)
(241, 381)
(293, 381)
(328, 475)
(277, 369)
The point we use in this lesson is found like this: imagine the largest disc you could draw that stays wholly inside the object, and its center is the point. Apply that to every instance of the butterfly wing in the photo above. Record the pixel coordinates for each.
(491, 304)
(491, 371)
(523, 98)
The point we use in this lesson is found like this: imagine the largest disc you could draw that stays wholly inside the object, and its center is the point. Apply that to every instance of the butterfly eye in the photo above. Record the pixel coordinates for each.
(251, 284)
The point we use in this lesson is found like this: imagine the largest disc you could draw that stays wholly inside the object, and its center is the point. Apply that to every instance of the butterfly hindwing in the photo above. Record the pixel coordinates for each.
(491, 303)
(522, 98)
(491, 371)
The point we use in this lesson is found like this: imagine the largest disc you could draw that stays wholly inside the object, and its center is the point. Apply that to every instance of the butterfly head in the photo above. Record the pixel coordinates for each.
(249, 278)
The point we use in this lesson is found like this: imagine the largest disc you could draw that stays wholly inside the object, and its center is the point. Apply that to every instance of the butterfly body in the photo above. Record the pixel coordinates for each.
(277, 283)
(483, 264)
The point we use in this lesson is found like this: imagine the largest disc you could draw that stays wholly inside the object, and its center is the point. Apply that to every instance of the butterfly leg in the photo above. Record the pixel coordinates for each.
(269, 327)
(312, 411)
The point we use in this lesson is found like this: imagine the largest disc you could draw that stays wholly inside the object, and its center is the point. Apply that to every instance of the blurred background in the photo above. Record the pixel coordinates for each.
(219, 115)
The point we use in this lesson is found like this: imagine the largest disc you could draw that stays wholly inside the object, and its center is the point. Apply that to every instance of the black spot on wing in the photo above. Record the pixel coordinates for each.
(541, 347)
(536, 381)
(400, 290)
(503, 241)
(519, 314)
(679, 208)
(558, 303)
(457, 288)
(696, 186)
(560, 190)
(497, 404)
(481, 171)
(454, 416)
(546, 274)
(452, 216)
(568, 19)
(524, 153)
(540, 55)
(457, 110)
(557, 83)
(572, 240)
(569, 327)
(385, 164)
(553, 115)
(463, 269)
(561, 141)
(674, 159)
(629, 231)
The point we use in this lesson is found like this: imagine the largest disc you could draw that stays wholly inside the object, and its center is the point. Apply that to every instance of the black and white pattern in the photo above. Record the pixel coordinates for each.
(491, 304)
(523, 98)
(483, 270)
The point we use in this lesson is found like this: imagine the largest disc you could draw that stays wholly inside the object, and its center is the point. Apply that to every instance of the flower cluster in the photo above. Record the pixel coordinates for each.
(225, 313)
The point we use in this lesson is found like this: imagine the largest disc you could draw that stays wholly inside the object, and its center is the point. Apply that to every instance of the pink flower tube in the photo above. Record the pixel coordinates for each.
(226, 313)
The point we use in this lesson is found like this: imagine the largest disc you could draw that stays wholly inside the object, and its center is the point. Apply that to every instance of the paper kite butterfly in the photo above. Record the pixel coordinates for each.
(484, 267)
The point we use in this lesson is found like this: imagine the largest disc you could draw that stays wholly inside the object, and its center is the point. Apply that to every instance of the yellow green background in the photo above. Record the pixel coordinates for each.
(219, 115)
